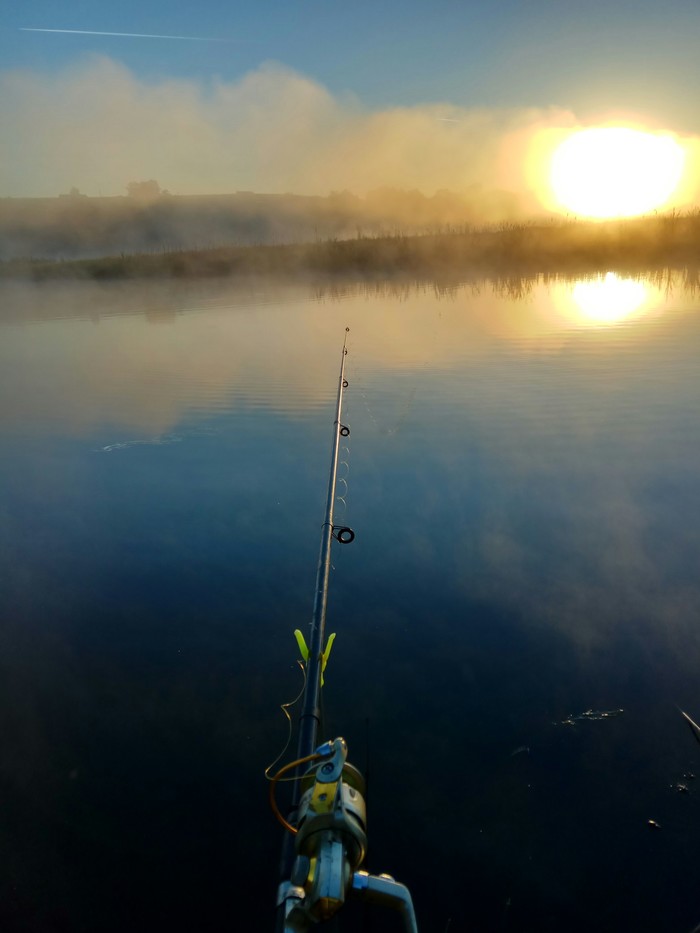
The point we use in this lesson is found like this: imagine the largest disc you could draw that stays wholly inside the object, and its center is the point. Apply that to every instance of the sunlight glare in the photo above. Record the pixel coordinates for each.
(608, 299)
(615, 171)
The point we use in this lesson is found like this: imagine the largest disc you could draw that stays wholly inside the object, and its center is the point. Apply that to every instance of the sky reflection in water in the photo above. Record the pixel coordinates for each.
(524, 488)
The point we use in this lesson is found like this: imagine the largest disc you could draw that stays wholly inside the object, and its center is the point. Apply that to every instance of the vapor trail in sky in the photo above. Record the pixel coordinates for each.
(129, 35)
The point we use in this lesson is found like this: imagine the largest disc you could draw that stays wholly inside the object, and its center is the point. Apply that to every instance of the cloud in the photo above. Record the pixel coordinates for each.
(98, 126)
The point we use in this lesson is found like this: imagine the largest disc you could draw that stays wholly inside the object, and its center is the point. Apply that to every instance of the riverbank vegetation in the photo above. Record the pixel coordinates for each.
(148, 219)
(556, 246)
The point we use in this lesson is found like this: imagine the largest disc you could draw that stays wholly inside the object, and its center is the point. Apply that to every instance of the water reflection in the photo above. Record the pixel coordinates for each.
(570, 411)
(608, 299)
(525, 490)
(86, 355)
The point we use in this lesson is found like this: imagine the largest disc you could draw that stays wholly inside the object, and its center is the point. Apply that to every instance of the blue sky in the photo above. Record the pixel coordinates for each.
(589, 56)
(593, 59)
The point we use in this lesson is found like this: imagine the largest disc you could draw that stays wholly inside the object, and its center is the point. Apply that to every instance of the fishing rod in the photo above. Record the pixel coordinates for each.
(326, 839)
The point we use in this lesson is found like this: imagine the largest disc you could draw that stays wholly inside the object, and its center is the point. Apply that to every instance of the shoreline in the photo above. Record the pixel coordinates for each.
(556, 247)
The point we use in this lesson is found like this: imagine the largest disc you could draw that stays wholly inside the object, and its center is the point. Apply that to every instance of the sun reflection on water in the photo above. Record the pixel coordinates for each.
(610, 299)
(605, 300)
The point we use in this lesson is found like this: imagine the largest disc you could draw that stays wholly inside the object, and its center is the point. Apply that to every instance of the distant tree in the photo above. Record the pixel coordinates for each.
(144, 190)
(74, 193)
(343, 200)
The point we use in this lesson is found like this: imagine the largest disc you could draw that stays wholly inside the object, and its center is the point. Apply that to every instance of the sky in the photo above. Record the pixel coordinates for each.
(319, 95)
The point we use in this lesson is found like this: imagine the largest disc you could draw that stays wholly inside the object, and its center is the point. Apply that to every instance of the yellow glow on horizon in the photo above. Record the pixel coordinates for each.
(614, 171)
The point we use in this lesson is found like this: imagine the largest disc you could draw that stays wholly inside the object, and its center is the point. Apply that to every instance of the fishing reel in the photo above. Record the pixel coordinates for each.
(330, 845)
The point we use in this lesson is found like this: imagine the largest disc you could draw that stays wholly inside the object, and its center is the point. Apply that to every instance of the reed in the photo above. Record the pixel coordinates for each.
(556, 247)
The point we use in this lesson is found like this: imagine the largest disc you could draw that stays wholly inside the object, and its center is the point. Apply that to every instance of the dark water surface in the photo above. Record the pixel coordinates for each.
(524, 483)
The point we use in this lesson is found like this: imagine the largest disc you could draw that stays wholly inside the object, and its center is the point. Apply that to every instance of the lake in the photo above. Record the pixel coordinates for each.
(523, 478)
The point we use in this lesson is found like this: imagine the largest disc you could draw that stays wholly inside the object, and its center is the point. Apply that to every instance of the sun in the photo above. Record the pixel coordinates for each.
(615, 171)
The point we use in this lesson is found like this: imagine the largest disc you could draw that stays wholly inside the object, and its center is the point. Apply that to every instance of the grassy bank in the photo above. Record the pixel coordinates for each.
(567, 247)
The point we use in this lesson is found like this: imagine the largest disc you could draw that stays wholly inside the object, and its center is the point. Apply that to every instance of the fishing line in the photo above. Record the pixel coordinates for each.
(413, 372)
(277, 778)
(286, 707)
(404, 410)
(322, 714)
(344, 481)
(340, 497)
(344, 450)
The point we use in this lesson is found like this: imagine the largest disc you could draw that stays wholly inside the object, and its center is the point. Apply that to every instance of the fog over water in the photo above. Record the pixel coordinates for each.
(523, 484)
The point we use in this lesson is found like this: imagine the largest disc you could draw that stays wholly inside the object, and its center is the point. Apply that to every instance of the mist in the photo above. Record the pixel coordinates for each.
(272, 157)
(98, 127)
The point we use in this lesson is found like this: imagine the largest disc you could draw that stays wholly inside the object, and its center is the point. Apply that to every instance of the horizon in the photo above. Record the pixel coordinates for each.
(312, 100)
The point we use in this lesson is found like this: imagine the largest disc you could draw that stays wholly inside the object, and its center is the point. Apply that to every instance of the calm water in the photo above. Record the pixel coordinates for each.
(524, 484)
